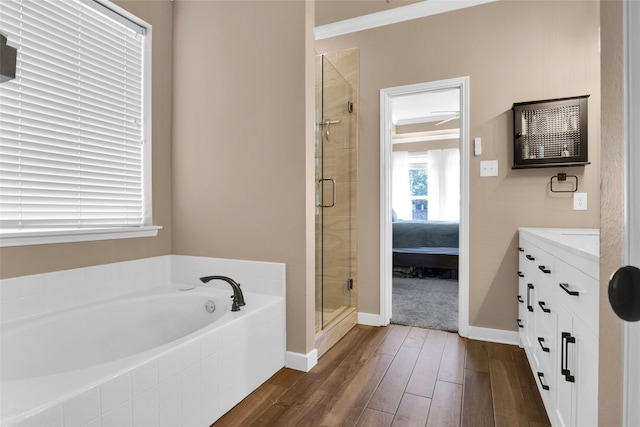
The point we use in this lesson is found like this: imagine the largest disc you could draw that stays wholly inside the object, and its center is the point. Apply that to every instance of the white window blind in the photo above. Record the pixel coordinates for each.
(71, 123)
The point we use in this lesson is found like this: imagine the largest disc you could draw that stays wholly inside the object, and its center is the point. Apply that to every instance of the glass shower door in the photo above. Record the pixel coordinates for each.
(335, 157)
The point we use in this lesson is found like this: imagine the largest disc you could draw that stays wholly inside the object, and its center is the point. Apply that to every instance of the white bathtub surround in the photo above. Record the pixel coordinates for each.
(189, 382)
(101, 333)
(27, 296)
(259, 277)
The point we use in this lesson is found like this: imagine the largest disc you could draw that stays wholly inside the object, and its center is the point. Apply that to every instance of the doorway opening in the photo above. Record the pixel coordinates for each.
(424, 204)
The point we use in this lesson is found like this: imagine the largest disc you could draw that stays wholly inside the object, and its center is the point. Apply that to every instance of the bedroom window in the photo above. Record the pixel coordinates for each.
(426, 185)
(418, 181)
(75, 124)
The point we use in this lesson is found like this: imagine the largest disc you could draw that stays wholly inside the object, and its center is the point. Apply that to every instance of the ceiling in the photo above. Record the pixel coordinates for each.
(434, 106)
(330, 11)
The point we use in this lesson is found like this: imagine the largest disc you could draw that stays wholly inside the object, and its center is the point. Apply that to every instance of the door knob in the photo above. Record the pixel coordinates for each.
(624, 293)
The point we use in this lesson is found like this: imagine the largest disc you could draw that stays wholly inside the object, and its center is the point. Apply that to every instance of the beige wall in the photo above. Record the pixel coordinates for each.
(242, 152)
(25, 260)
(512, 52)
(611, 210)
(241, 146)
(240, 156)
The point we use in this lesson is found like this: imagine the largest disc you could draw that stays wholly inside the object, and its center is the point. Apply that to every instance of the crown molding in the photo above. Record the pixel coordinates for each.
(393, 16)
(426, 138)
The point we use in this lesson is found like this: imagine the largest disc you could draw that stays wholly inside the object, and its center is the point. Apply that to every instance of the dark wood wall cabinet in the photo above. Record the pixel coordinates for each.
(552, 132)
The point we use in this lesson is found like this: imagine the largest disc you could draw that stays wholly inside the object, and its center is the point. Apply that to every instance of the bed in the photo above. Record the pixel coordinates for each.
(425, 244)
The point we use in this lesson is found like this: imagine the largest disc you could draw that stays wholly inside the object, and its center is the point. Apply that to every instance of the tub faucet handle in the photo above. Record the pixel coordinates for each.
(240, 296)
(234, 304)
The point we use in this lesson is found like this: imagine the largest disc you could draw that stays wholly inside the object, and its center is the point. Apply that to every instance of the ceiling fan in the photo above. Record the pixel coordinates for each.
(454, 115)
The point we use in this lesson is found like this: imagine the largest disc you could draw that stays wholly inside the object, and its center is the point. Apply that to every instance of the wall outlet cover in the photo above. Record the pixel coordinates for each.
(579, 201)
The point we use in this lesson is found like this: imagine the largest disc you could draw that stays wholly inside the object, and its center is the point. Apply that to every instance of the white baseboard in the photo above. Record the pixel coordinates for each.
(301, 362)
(369, 319)
(493, 335)
(472, 332)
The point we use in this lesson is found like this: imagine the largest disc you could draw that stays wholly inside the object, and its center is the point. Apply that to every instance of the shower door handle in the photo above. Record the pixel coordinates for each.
(333, 201)
(326, 124)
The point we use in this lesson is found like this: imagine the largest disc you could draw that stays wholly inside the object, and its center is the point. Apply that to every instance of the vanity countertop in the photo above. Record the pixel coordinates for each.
(584, 242)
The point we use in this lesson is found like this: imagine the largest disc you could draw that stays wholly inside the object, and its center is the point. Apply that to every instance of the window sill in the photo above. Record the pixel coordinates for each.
(26, 238)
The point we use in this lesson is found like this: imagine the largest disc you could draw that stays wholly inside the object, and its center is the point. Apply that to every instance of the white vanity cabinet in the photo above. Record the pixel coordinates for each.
(558, 310)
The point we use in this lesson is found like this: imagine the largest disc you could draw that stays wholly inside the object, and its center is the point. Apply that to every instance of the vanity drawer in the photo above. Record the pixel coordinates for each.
(561, 304)
(545, 331)
(578, 292)
(545, 312)
(539, 265)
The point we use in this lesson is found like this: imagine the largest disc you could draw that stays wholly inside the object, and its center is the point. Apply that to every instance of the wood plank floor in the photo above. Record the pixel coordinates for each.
(400, 376)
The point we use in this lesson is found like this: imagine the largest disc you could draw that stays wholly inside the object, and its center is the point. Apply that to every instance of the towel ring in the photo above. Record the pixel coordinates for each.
(563, 177)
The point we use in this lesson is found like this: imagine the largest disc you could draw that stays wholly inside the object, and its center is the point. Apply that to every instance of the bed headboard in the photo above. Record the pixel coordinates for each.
(415, 234)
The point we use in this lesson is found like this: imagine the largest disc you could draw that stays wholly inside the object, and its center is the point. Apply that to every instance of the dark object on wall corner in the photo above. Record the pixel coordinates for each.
(624, 293)
(8, 55)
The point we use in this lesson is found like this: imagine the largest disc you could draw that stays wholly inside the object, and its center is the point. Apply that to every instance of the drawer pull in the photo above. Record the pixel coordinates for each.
(520, 249)
(530, 258)
(565, 287)
(542, 306)
(544, 386)
(540, 341)
(520, 274)
(529, 289)
(520, 299)
(544, 269)
(564, 356)
(520, 325)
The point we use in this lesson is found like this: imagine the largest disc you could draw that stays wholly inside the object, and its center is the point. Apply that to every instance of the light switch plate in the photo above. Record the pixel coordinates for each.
(489, 168)
(477, 146)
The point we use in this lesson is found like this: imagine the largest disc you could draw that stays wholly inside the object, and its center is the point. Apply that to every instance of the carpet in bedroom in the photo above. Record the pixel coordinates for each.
(430, 303)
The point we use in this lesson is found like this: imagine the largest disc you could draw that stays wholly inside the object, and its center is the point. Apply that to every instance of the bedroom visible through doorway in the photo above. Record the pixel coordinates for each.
(424, 205)
(425, 201)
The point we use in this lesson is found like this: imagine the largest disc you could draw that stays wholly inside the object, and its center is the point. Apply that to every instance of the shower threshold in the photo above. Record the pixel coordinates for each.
(341, 321)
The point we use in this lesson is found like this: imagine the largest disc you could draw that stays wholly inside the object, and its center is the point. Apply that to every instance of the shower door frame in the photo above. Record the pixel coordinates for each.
(325, 124)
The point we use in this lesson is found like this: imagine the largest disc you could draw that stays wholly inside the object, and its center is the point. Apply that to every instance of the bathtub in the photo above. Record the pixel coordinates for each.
(161, 356)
